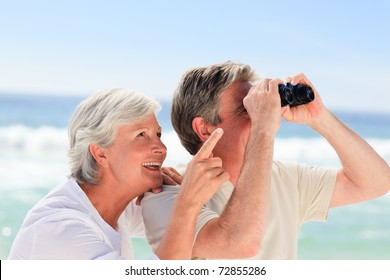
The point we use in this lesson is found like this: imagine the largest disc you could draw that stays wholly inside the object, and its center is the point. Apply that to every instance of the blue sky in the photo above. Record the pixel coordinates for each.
(79, 47)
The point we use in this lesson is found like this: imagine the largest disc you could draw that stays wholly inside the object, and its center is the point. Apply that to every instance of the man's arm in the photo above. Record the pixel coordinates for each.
(364, 174)
(238, 232)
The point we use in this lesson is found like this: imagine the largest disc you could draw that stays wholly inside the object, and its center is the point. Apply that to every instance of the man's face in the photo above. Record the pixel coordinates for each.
(236, 125)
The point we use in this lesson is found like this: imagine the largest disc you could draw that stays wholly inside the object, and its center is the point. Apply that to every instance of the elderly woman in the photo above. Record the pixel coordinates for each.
(116, 155)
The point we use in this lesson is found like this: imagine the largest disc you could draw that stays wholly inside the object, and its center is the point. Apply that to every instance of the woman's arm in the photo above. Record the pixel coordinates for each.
(203, 177)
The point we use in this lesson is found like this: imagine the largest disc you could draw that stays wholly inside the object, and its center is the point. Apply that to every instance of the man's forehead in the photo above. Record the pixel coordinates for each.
(237, 90)
(232, 98)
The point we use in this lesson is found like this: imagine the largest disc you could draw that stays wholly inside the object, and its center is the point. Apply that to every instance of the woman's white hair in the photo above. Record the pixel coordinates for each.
(96, 120)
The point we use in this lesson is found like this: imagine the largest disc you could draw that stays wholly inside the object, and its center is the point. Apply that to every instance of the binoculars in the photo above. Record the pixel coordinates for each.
(295, 95)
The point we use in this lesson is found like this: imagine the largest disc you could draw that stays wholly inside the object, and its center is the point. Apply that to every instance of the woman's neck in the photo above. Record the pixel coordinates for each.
(109, 201)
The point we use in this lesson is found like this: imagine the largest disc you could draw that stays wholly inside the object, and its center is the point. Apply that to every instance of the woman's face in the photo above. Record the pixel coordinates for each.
(136, 155)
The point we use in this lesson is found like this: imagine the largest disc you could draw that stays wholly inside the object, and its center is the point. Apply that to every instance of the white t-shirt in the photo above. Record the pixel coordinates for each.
(298, 194)
(65, 225)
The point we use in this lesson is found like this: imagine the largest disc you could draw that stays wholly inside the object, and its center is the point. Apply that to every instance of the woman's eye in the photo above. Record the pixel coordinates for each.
(141, 134)
(159, 134)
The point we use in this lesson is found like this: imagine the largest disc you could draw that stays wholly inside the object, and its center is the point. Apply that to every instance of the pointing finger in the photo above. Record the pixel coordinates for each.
(206, 150)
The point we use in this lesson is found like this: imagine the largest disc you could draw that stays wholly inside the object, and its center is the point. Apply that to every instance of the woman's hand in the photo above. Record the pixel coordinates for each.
(204, 174)
(171, 176)
(140, 197)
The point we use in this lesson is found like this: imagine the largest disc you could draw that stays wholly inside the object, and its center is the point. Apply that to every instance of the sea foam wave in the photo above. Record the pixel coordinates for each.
(318, 150)
(21, 140)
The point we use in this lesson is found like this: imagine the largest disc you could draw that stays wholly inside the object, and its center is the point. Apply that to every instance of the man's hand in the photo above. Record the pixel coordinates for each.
(308, 113)
(263, 106)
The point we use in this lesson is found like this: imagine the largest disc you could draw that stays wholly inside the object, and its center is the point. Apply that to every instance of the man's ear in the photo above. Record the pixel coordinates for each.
(200, 128)
(98, 154)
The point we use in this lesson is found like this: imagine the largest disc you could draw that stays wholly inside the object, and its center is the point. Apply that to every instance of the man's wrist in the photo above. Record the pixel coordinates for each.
(323, 123)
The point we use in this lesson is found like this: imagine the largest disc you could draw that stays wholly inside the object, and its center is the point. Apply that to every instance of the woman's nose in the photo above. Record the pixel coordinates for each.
(159, 147)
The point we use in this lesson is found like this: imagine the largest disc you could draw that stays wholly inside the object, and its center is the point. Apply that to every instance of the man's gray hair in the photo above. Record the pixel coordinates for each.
(96, 121)
(198, 95)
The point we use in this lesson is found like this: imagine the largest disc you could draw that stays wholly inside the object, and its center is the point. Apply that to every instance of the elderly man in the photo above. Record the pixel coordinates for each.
(259, 212)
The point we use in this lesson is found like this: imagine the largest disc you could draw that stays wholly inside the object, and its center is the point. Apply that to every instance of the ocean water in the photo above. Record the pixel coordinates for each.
(33, 138)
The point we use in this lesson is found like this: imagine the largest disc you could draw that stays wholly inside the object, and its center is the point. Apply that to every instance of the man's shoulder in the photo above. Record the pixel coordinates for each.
(168, 193)
(156, 212)
(281, 168)
(281, 165)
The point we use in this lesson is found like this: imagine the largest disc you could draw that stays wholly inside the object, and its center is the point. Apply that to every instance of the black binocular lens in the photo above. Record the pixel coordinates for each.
(295, 95)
